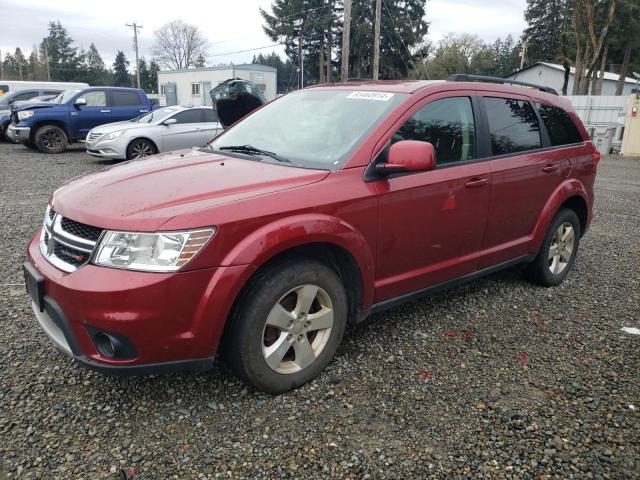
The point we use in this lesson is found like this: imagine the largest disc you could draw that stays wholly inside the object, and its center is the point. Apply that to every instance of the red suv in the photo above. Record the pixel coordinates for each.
(318, 209)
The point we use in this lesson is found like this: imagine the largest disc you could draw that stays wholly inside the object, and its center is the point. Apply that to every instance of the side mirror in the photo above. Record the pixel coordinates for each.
(80, 102)
(408, 156)
(170, 121)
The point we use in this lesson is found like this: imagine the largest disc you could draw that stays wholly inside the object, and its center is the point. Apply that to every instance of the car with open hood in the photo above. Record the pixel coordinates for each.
(316, 210)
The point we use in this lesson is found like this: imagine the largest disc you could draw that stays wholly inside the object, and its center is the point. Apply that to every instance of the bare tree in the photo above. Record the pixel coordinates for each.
(178, 45)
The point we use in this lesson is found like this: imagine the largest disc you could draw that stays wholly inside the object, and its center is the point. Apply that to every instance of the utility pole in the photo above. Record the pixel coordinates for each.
(523, 54)
(376, 41)
(1, 67)
(299, 24)
(46, 56)
(345, 40)
(135, 27)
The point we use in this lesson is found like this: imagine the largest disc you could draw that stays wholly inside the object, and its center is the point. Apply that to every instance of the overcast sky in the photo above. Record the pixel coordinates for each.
(230, 25)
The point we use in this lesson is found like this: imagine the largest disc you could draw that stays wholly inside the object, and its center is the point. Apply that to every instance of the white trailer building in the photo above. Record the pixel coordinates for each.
(552, 75)
(192, 85)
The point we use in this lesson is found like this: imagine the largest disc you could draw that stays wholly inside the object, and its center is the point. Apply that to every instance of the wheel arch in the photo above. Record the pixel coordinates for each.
(571, 194)
(42, 123)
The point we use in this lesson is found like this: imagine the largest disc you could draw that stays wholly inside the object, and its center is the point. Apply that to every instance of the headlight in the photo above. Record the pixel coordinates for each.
(23, 115)
(112, 135)
(151, 252)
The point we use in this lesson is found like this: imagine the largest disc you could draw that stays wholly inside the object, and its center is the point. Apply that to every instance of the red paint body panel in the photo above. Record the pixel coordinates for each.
(405, 233)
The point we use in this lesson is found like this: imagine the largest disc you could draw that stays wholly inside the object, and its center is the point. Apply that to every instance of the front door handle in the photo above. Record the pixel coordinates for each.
(552, 167)
(105, 111)
(476, 182)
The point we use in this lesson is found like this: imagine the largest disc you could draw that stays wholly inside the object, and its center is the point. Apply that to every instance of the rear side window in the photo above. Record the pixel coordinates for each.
(124, 99)
(561, 129)
(513, 125)
(189, 116)
(448, 125)
(209, 115)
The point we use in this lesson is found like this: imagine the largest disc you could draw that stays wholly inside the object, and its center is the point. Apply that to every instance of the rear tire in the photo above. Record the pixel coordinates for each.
(287, 326)
(50, 139)
(141, 148)
(558, 251)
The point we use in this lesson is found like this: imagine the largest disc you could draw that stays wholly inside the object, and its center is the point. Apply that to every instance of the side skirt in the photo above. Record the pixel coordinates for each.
(408, 297)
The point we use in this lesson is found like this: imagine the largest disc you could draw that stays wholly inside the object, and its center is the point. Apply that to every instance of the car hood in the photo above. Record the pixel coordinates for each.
(114, 127)
(27, 105)
(142, 195)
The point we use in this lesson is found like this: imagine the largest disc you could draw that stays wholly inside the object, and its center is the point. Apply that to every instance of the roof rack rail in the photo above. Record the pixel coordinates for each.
(461, 77)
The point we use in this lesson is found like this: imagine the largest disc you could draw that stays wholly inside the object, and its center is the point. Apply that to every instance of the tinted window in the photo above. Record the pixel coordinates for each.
(448, 125)
(123, 99)
(96, 98)
(561, 129)
(25, 95)
(188, 116)
(209, 115)
(52, 92)
(513, 125)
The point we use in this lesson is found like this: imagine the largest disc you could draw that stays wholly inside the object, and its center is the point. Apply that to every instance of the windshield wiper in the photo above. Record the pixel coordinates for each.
(250, 150)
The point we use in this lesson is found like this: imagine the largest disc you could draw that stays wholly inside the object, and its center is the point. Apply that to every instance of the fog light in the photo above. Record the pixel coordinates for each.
(112, 345)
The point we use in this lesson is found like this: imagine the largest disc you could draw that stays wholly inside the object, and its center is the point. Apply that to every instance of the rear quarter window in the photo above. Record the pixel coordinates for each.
(513, 125)
(561, 129)
(124, 99)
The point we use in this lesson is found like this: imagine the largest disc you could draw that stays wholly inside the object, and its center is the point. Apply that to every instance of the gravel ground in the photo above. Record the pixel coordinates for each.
(499, 378)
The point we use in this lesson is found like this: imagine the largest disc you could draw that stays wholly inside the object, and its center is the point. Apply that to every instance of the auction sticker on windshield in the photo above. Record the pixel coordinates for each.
(379, 96)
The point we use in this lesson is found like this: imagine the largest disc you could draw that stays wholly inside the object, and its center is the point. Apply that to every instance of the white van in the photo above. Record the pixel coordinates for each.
(7, 86)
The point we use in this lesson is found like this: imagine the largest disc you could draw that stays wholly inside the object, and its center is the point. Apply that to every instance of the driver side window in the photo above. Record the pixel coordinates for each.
(448, 125)
(96, 98)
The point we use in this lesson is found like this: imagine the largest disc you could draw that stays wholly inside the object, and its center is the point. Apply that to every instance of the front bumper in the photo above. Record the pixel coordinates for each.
(174, 321)
(115, 149)
(18, 134)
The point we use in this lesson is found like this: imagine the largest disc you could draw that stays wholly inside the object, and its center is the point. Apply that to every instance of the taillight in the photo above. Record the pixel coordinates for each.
(596, 157)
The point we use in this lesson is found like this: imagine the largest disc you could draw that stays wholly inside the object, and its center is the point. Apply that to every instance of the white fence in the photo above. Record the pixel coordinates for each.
(603, 117)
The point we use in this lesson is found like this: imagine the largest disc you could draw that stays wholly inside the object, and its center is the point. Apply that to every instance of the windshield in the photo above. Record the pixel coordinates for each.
(311, 128)
(65, 96)
(158, 114)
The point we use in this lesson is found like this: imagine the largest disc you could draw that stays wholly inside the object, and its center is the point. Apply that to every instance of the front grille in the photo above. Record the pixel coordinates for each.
(67, 244)
(93, 136)
(70, 255)
(14, 118)
(80, 229)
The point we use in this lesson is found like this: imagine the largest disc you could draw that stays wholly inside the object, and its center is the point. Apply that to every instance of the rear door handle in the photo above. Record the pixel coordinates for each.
(552, 167)
(476, 182)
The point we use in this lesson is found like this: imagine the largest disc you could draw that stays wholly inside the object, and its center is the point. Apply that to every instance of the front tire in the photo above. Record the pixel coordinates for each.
(287, 326)
(558, 251)
(50, 139)
(141, 148)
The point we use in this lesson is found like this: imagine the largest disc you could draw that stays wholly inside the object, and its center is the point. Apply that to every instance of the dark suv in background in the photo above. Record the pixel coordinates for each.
(318, 209)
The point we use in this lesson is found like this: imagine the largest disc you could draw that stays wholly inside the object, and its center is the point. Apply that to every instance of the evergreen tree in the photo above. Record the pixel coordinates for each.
(154, 68)
(63, 58)
(507, 56)
(94, 69)
(121, 77)
(286, 70)
(200, 61)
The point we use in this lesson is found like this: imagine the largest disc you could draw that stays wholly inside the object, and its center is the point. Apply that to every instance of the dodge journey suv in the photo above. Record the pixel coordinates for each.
(313, 211)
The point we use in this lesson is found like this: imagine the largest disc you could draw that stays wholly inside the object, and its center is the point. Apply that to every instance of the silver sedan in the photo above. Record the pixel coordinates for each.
(162, 130)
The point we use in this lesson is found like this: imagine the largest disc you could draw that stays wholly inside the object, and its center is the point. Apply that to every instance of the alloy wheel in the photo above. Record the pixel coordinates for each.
(52, 140)
(561, 248)
(297, 329)
(141, 149)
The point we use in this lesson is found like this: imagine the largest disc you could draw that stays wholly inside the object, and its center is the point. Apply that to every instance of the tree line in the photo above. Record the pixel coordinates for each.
(57, 59)
(589, 35)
